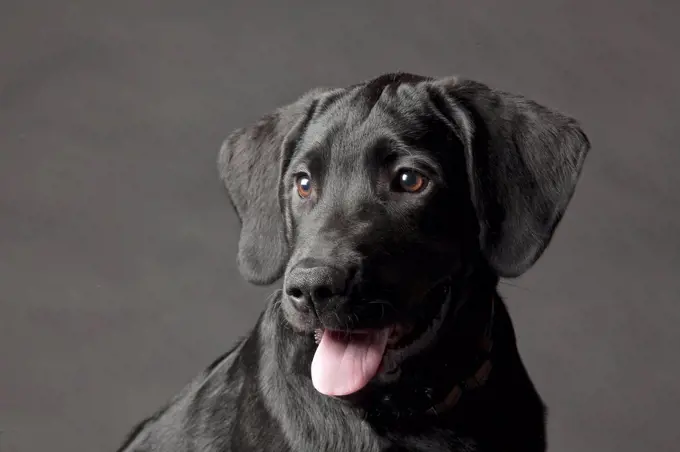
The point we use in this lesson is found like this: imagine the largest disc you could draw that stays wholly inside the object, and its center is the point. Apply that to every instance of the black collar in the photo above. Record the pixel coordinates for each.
(476, 380)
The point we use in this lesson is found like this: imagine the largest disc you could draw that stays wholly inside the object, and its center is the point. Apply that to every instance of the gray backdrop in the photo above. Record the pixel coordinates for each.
(117, 246)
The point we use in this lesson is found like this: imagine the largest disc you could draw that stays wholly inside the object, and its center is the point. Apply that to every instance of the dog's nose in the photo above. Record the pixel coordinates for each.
(315, 285)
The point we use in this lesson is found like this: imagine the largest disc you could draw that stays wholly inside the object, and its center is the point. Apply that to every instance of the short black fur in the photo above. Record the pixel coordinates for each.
(358, 252)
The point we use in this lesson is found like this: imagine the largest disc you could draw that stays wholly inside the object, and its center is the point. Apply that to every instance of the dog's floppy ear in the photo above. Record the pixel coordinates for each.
(523, 162)
(250, 164)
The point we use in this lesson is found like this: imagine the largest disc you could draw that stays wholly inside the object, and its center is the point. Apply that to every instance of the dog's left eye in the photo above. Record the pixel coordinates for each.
(411, 181)
(304, 185)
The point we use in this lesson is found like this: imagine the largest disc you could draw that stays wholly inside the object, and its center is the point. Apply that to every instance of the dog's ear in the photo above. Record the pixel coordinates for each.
(523, 162)
(250, 164)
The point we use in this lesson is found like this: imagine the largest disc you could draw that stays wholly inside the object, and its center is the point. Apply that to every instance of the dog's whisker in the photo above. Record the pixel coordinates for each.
(517, 286)
(383, 303)
(356, 316)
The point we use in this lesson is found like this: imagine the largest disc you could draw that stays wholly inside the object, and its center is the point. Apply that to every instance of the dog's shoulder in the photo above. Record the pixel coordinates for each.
(202, 412)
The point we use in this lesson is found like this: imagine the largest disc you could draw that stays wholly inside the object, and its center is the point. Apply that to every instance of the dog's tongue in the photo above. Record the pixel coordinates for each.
(343, 365)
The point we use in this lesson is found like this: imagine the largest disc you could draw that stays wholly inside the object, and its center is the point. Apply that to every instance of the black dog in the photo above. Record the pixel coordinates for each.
(391, 209)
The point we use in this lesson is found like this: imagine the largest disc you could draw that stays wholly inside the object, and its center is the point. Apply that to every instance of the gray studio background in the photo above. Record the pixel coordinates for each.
(118, 280)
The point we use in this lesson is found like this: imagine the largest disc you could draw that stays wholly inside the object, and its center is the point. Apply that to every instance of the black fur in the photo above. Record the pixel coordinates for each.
(502, 170)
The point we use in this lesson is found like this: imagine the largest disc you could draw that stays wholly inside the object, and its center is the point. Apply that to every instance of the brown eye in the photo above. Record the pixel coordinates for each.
(411, 181)
(304, 186)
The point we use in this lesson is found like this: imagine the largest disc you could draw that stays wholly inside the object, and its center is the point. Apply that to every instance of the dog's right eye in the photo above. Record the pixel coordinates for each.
(410, 181)
(304, 185)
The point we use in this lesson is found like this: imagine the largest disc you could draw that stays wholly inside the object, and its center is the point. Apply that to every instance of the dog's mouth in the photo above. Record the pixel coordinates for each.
(346, 361)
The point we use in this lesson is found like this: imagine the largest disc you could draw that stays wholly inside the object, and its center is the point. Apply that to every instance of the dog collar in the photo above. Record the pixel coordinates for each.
(478, 379)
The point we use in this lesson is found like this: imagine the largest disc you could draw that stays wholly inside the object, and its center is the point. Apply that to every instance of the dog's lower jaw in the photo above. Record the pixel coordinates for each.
(395, 356)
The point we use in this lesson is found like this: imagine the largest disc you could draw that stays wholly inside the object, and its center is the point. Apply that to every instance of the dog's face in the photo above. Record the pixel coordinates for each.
(369, 199)
(376, 209)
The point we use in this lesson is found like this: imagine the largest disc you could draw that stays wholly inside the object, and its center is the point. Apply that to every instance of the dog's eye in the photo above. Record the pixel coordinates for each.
(304, 185)
(411, 181)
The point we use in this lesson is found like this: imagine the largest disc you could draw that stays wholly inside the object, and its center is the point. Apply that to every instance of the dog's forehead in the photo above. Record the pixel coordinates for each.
(366, 115)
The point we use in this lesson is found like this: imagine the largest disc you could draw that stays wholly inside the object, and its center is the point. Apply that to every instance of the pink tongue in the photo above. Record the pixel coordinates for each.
(343, 365)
